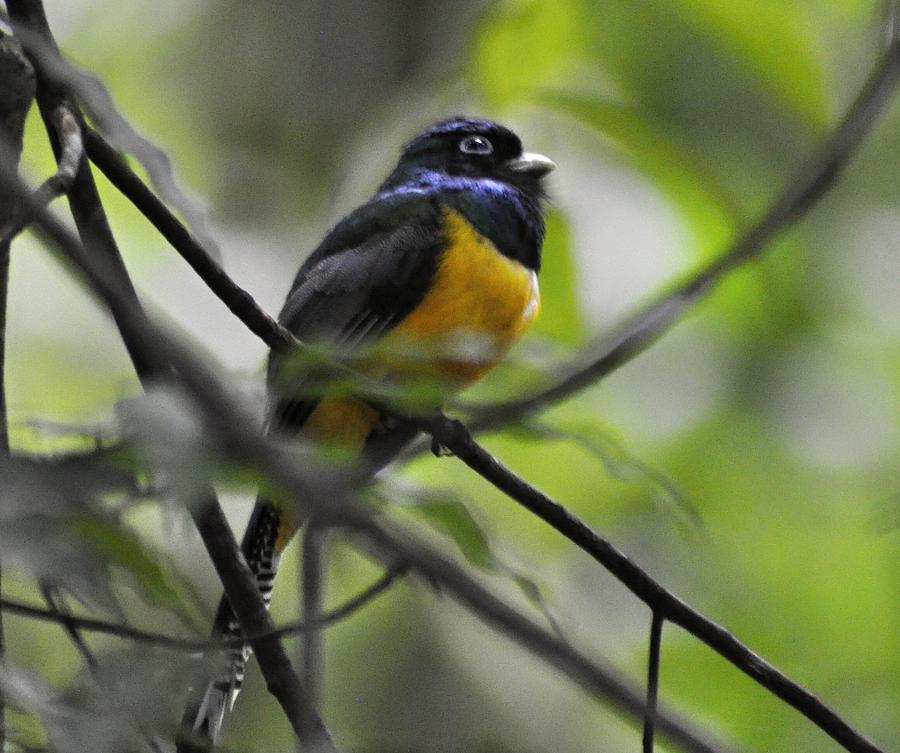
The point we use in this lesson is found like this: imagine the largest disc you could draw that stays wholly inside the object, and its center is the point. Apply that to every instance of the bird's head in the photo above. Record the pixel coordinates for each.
(473, 148)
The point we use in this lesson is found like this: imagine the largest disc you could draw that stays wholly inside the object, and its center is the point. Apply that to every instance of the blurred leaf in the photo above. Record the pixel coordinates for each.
(774, 39)
(523, 45)
(445, 511)
(56, 524)
(38, 500)
(656, 155)
(560, 317)
(121, 547)
(127, 701)
(616, 459)
(450, 515)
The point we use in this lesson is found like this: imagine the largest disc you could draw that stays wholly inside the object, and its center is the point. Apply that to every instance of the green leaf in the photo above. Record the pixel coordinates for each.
(774, 40)
(561, 316)
(618, 462)
(446, 512)
(451, 516)
(120, 547)
(648, 148)
(522, 45)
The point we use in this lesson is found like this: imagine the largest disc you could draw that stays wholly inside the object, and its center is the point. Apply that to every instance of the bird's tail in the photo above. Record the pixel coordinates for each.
(207, 708)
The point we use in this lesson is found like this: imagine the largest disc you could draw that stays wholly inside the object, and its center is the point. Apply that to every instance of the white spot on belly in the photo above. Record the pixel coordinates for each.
(533, 299)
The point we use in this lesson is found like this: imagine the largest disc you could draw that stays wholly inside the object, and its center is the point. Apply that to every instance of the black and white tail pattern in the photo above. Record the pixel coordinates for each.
(205, 715)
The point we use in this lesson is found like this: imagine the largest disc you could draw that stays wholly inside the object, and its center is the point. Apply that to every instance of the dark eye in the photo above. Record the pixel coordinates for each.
(476, 145)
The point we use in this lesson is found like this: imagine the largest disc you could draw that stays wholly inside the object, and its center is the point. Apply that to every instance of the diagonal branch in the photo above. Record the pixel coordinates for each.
(114, 166)
(454, 436)
(642, 330)
(28, 19)
(111, 279)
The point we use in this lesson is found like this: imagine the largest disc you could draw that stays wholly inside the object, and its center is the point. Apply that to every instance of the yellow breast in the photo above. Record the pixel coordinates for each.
(480, 302)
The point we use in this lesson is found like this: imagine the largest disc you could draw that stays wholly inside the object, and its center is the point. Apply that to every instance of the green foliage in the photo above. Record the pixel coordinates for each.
(774, 39)
(523, 45)
(668, 165)
(446, 512)
(561, 317)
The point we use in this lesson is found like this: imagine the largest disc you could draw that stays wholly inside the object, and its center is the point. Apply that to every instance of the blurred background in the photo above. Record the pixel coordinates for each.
(772, 411)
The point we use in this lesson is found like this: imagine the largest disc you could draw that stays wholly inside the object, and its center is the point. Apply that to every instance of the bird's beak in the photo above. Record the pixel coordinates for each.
(536, 165)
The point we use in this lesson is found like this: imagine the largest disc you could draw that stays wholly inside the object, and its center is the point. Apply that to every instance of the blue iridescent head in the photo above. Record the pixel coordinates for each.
(472, 148)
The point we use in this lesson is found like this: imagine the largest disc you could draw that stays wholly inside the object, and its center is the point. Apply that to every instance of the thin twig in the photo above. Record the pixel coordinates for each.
(116, 629)
(93, 95)
(239, 301)
(71, 151)
(326, 619)
(656, 627)
(111, 277)
(57, 606)
(454, 436)
(667, 310)
(126, 632)
(29, 20)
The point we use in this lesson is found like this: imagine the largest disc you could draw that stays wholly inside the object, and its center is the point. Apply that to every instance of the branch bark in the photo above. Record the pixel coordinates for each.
(16, 96)
(456, 437)
(636, 335)
(101, 255)
(127, 632)
(71, 151)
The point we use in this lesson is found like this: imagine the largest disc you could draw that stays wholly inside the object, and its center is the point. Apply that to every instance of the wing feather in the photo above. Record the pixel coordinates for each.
(357, 286)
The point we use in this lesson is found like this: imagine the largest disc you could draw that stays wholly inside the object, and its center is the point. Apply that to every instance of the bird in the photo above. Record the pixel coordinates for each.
(436, 276)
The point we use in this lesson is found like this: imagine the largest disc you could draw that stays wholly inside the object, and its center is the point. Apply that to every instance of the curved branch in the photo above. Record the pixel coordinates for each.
(324, 620)
(71, 151)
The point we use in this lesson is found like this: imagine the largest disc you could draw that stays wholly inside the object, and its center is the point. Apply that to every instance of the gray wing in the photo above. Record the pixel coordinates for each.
(351, 298)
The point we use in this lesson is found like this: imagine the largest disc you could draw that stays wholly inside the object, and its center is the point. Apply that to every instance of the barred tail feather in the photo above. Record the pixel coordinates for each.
(206, 713)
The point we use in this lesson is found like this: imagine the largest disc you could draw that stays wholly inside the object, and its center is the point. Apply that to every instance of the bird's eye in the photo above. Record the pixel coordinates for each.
(476, 145)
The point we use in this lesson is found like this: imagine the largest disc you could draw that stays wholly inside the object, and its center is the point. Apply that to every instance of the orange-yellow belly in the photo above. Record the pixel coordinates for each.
(479, 303)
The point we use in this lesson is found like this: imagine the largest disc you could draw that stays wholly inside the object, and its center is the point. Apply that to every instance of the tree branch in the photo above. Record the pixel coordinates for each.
(28, 19)
(109, 274)
(114, 166)
(656, 627)
(16, 96)
(642, 330)
(324, 620)
(71, 151)
(62, 614)
(456, 437)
